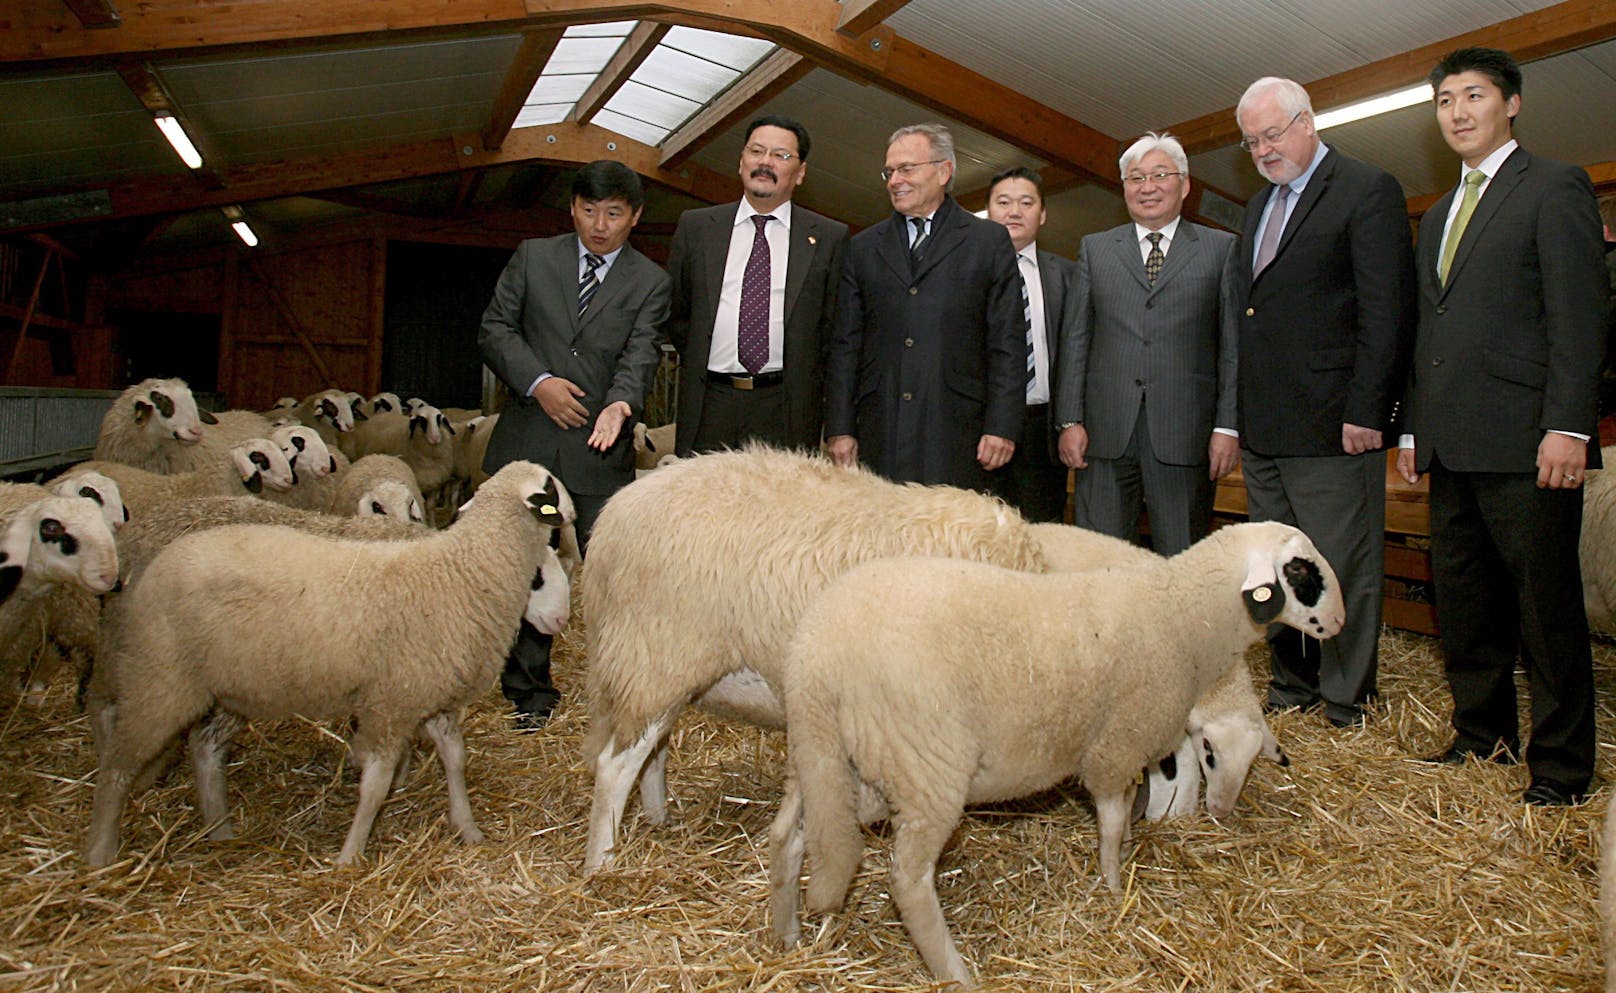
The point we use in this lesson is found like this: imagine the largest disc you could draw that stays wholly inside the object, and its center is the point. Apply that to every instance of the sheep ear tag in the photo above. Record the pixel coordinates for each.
(1263, 603)
(546, 506)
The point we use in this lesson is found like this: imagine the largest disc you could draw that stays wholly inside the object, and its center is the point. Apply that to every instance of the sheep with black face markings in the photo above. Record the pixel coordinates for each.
(179, 647)
(981, 684)
(154, 425)
(423, 438)
(247, 468)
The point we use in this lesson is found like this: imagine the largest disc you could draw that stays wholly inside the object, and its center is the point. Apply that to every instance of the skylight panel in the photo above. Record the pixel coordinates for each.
(605, 29)
(581, 55)
(653, 106)
(628, 127)
(689, 76)
(738, 53)
(542, 113)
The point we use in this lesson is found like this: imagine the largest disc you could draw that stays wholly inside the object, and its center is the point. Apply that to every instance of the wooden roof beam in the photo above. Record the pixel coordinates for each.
(770, 77)
(627, 58)
(1565, 27)
(94, 13)
(531, 58)
(859, 16)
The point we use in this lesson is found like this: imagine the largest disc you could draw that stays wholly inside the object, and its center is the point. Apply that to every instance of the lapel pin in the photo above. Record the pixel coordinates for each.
(812, 240)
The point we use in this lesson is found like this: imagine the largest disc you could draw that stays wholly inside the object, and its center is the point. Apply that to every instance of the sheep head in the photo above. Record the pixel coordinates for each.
(101, 489)
(59, 540)
(1288, 581)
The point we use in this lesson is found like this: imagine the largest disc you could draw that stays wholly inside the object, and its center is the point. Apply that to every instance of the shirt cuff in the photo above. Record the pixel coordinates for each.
(542, 377)
(1231, 432)
(1405, 441)
(1571, 434)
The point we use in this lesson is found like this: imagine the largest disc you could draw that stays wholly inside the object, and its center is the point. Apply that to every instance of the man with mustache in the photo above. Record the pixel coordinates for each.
(1326, 318)
(754, 292)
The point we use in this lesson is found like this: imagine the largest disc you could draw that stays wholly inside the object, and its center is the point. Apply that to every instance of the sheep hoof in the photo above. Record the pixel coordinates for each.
(471, 835)
(788, 937)
(223, 831)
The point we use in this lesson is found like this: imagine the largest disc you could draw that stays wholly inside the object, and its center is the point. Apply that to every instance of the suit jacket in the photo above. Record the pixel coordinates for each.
(1510, 347)
(1175, 341)
(532, 326)
(813, 272)
(1056, 274)
(1326, 327)
(926, 361)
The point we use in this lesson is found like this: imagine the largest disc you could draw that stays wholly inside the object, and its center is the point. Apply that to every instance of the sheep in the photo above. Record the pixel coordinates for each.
(391, 498)
(304, 449)
(652, 445)
(471, 450)
(698, 573)
(353, 487)
(329, 413)
(384, 401)
(248, 467)
(1014, 682)
(153, 425)
(179, 648)
(47, 542)
(423, 439)
(100, 488)
(1597, 550)
(232, 427)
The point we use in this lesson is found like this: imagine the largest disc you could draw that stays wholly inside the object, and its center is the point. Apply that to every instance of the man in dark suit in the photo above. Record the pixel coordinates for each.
(1502, 403)
(1327, 316)
(1034, 480)
(927, 373)
(1146, 398)
(752, 303)
(572, 332)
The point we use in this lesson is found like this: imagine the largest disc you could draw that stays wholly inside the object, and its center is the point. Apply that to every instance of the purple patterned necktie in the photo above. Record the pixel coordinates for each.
(1270, 236)
(752, 341)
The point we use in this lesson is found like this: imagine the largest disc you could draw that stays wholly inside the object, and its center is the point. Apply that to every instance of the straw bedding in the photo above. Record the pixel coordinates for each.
(1355, 869)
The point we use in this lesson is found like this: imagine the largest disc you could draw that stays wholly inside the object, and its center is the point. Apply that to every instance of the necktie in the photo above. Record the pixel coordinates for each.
(1029, 271)
(917, 250)
(588, 284)
(1467, 206)
(1153, 261)
(752, 341)
(1270, 235)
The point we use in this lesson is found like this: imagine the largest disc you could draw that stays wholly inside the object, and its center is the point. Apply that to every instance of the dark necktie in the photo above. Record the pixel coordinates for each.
(917, 248)
(588, 284)
(1153, 261)
(752, 341)
(1026, 314)
(1270, 235)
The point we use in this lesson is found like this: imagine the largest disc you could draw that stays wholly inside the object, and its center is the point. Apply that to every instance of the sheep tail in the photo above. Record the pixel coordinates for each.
(830, 806)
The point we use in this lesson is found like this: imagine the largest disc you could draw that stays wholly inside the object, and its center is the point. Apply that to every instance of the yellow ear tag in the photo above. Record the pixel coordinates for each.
(1262, 594)
(549, 508)
(812, 240)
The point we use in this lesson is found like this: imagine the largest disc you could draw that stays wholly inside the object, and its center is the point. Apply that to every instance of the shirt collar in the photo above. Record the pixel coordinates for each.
(1299, 184)
(781, 213)
(1030, 253)
(1490, 165)
(1168, 230)
(610, 257)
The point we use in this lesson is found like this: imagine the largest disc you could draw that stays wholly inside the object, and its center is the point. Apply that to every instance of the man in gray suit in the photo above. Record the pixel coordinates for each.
(1146, 389)
(754, 294)
(1035, 479)
(926, 379)
(572, 332)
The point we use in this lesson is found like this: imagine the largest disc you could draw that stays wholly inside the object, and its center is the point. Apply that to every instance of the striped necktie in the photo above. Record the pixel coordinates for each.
(1026, 315)
(917, 248)
(588, 284)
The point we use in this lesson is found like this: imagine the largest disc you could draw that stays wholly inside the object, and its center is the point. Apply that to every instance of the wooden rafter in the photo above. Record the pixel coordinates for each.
(535, 51)
(1543, 33)
(628, 57)
(770, 77)
(94, 13)
(859, 16)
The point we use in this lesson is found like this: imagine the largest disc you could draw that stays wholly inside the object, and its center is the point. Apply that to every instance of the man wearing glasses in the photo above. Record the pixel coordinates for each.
(1325, 324)
(927, 374)
(754, 290)
(1146, 390)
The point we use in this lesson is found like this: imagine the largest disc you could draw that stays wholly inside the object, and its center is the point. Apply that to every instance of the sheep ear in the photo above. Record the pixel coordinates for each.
(333, 463)
(359, 415)
(546, 506)
(254, 483)
(206, 416)
(10, 577)
(1263, 603)
(447, 426)
(126, 513)
(294, 472)
(143, 411)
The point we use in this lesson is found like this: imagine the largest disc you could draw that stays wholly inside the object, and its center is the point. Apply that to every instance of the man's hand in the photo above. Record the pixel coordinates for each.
(608, 424)
(558, 398)
(993, 451)
(1405, 465)
(843, 449)
(1560, 461)
(1223, 454)
(1356, 440)
(1074, 446)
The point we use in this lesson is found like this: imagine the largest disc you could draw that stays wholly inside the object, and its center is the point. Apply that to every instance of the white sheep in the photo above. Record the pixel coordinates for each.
(652, 445)
(391, 498)
(937, 683)
(329, 413)
(697, 575)
(383, 402)
(352, 488)
(455, 598)
(249, 467)
(422, 438)
(100, 488)
(305, 451)
(471, 450)
(1597, 550)
(154, 425)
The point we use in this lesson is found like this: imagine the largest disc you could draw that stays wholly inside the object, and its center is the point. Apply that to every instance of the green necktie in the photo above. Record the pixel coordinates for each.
(1467, 206)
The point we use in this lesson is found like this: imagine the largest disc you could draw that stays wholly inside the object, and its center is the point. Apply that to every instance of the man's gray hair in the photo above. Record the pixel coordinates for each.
(1292, 98)
(1153, 142)
(942, 144)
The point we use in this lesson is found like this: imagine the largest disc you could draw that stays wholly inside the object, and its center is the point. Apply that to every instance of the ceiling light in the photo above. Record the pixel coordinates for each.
(177, 137)
(1384, 104)
(238, 222)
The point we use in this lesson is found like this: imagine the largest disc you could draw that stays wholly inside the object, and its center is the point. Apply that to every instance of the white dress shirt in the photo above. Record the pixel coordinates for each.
(724, 355)
(1038, 386)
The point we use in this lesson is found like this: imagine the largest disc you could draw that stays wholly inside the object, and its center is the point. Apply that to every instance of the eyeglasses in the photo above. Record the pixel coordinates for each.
(777, 154)
(906, 170)
(1270, 137)
(1159, 176)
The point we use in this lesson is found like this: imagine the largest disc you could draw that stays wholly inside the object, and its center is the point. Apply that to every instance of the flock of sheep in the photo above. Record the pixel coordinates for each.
(923, 647)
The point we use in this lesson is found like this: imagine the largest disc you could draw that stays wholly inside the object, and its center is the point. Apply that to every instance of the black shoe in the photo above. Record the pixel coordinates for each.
(1549, 793)
(1457, 755)
(1356, 721)
(534, 712)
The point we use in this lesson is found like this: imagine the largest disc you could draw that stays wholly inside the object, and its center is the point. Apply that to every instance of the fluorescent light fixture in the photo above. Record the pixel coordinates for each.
(246, 233)
(177, 137)
(1384, 104)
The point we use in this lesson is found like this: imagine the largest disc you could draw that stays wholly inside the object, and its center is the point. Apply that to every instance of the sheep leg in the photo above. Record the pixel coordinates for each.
(615, 773)
(654, 786)
(444, 730)
(786, 844)
(210, 747)
(1111, 810)
(376, 764)
(917, 843)
(142, 729)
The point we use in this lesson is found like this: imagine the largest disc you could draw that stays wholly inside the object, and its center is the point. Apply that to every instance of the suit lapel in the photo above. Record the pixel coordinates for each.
(1054, 292)
(618, 276)
(1498, 190)
(1186, 242)
(799, 255)
(1430, 246)
(561, 267)
(894, 246)
(715, 254)
(1310, 196)
(1128, 254)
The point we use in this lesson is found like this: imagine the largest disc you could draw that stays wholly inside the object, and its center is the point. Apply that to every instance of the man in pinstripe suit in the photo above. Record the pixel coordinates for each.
(1145, 393)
